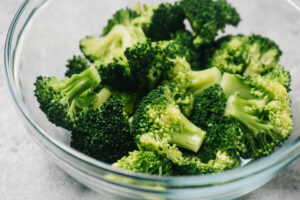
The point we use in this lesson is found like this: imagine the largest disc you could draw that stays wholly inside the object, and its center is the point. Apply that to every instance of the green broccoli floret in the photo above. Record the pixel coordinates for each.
(103, 133)
(76, 65)
(222, 134)
(58, 99)
(192, 165)
(122, 16)
(182, 46)
(182, 76)
(147, 162)
(264, 112)
(148, 62)
(104, 49)
(160, 126)
(245, 55)
(207, 17)
(159, 21)
(279, 74)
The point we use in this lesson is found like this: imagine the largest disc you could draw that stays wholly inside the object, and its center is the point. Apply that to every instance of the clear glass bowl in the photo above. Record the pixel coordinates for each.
(44, 34)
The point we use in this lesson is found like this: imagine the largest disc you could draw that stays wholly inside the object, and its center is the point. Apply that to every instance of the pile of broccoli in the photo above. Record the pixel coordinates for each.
(151, 96)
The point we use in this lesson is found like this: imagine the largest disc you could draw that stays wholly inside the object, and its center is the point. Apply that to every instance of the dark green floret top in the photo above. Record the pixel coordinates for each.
(164, 90)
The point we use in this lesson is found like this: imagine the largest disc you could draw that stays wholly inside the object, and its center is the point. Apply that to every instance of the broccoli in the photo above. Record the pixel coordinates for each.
(182, 76)
(182, 46)
(192, 165)
(76, 65)
(222, 134)
(122, 16)
(263, 108)
(278, 74)
(103, 133)
(245, 55)
(159, 21)
(106, 47)
(148, 162)
(207, 17)
(58, 99)
(160, 126)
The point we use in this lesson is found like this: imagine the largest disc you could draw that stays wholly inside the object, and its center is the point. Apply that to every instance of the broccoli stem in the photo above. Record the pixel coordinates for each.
(247, 112)
(188, 135)
(78, 84)
(232, 83)
(200, 80)
(102, 97)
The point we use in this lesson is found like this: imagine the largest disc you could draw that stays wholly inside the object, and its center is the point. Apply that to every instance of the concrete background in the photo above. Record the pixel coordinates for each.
(26, 172)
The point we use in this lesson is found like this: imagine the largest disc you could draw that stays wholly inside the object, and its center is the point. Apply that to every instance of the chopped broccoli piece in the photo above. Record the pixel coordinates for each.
(103, 133)
(147, 162)
(159, 21)
(278, 74)
(266, 117)
(122, 16)
(193, 165)
(182, 46)
(147, 63)
(222, 133)
(207, 17)
(105, 48)
(76, 65)
(158, 123)
(58, 99)
(245, 55)
(182, 76)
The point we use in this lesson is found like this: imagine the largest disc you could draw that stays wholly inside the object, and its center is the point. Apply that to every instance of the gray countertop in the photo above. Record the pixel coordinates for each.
(26, 172)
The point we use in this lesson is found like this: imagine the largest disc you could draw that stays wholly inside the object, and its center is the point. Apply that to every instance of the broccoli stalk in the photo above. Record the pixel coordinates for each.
(182, 76)
(203, 79)
(58, 99)
(186, 135)
(232, 83)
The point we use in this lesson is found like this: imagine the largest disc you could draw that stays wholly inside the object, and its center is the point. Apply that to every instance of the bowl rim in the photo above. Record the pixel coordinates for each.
(280, 156)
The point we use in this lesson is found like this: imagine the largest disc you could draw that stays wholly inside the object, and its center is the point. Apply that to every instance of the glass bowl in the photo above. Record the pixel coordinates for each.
(44, 34)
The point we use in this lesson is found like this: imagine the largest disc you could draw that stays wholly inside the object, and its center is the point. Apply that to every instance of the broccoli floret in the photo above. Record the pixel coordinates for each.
(123, 16)
(278, 74)
(58, 99)
(183, 47)
(147, 162)
(223, 134)
(147, 62)
(116, 75)
(76, 65)
(104, 49)
(245, 55)
(264, 112)
(192, 165)
(103, 133)
(207, 17)
(159, 21)
(160, 126)
(182, 76)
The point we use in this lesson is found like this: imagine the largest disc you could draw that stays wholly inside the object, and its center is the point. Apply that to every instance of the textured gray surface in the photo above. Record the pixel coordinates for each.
(27, 173)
